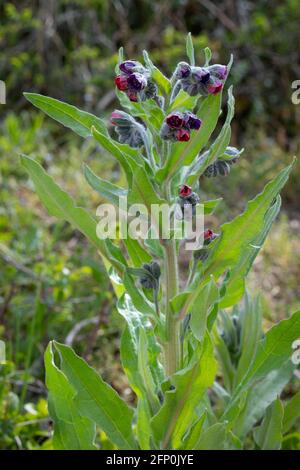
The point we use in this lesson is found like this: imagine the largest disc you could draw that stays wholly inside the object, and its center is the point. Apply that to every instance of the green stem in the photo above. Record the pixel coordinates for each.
(172, 345)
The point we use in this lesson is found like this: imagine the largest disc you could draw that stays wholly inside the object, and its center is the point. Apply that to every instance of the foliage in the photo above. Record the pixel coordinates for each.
(186, 399)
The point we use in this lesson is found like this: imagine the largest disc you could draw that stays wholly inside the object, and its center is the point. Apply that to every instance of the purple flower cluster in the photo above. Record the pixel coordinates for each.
(134, 80)
(177, 126)
(201, 80)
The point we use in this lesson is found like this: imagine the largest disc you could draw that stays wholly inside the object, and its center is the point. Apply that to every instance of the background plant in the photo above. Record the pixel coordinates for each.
(184, 399)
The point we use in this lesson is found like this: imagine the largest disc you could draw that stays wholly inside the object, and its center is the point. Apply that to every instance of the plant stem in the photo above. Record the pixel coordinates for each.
(172, 345)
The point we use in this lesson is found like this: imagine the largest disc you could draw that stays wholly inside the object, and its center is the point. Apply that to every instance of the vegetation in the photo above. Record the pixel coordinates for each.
(50, 275)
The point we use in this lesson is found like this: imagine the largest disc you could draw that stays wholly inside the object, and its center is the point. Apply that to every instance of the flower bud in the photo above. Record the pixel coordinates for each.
(215, 87)
(151, 280)
(121, 82)
(127, 128)
(185, 191)
(137, 81)
(202, 75)
(182, 135)
(192, 121)
(175, 120)
(132, 95)
(128, 66)
(218, 71)
(183, 70)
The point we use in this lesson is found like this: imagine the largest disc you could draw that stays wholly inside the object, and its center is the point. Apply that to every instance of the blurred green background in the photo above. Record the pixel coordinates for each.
(52, 284)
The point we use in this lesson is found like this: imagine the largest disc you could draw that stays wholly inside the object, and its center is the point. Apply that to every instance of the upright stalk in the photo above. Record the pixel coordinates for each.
(172, 344)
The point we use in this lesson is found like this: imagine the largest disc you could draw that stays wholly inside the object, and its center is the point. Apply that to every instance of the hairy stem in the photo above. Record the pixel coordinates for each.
(172, 345)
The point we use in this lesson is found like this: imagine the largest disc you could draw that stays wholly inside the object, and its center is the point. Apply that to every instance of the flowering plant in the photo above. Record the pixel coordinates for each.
(204, 378)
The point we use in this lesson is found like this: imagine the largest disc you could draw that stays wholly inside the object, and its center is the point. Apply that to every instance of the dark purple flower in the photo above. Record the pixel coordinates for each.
(192, 121)
(132, 95)
(121, 82)
(183, 70)
(175, 120)
(182, 135)
(219, 71)
(215, 87)
(137, 81)
(128, 66)
(185, 191)
(201, 75)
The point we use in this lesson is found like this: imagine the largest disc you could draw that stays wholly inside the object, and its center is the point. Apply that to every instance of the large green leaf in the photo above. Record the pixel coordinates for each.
(235, 285)
(269, 434)
(162, 81)
(260, 396)
(213, 438)
(61, 205)
(108, 190)
(68, 115)
(201, 308)
(273, 351)
(291, 412)
(97, 400)
(231, 247)
(71, 431)
(176, 415)
(251, 333)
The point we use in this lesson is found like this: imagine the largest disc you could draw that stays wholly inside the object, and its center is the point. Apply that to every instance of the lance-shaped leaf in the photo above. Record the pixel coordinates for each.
(71, 430)
(190, 49)
(219, 146)
(162, 81)
(230, 248)
(201, 308)
(97, 400)
(213, 438)
(269, 434)
(61, 205)
(108, 190)
(260, 396)
(136, 322)
(273, 351)
(235, 285)
(291, 412)
(67, 114)
(176, 415)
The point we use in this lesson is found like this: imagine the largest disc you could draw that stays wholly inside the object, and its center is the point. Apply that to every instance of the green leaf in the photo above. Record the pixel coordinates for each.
(108, 190)
(136, 322)
(213, 438)
(273, 351)
(162, 81)
(260, 396)
(61, 205)
(230, 248)
(269, 435)
(175, 417)
(191, 440)
(68, 115)
(201, 308)
(291, 412)
(97, 400)
(183, 101)
(125, 160)
(71, 431)
(235, 285)
(207, 55)
(219, 146)
(190, 49)
(251, 333)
